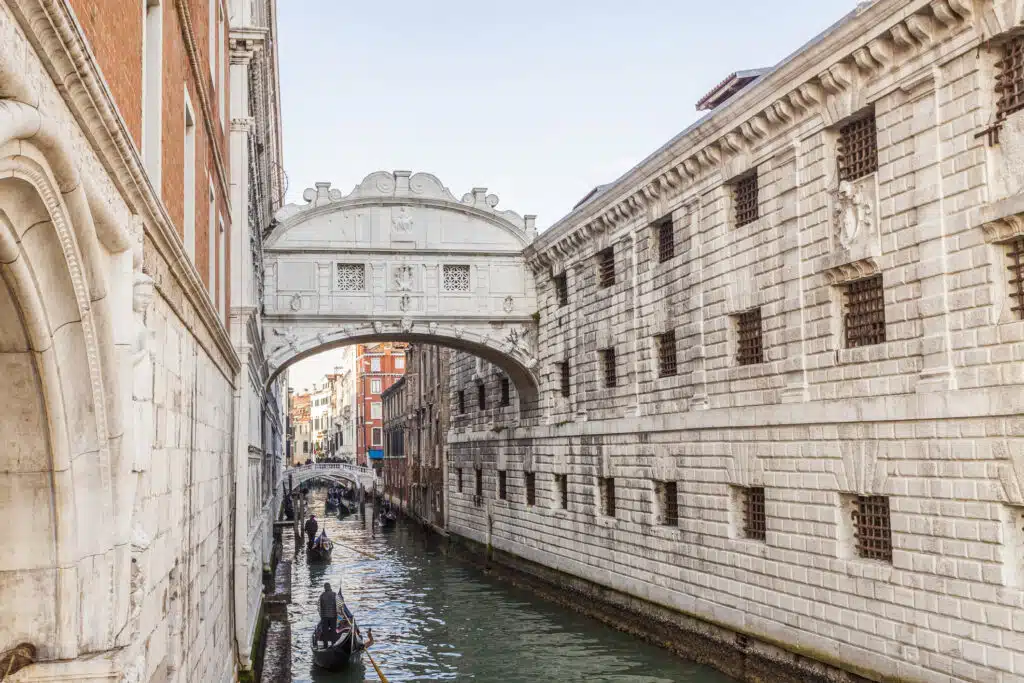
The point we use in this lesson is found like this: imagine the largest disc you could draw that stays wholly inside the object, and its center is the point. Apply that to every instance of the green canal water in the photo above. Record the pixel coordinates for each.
(437, 618)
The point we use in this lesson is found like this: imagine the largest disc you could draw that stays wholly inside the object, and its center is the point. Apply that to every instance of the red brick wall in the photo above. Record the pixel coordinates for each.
(114, 29)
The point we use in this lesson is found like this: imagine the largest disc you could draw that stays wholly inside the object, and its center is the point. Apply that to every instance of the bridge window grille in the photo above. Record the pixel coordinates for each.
(606, 267)
(561, 290)
(754, 519)
(351, 277)
(1015, 252)
(668, 495)
(503, 484)
(1010, 79)
(872, 527)
(562, 483)
(506, 392)
(608, 363)
(481, 396)
(750, 350)
(455, 278)
(744, 195)
(607, 490)
(667, 366)
(666, 239)
(459, 480)
(864, 317)
(531, 488)
(858, 148)
(566, 381)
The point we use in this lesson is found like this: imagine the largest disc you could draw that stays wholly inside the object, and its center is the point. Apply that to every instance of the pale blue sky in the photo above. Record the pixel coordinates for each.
(537, 101)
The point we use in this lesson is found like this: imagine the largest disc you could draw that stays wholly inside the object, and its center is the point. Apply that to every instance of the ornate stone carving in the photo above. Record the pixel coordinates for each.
(287, 338)
(432, 327)
(402, 221)
(851, 213)
(404, 278)
(407, 324)
(509, 305)
(405, 303)
(142, 297)
(378, 326)
(296, 302)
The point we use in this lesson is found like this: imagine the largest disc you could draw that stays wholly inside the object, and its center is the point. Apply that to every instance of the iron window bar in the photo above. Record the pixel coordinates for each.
(750, 350)
(667, 365)
(606, 267)
(864, 317)
(755, 524)
(666, 239)
(873, 528)
(858, 148)
(745, 199)
(1015, 253)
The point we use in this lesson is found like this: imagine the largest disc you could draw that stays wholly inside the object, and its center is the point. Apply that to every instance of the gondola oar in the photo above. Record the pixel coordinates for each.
(369, 555)
(383, 678)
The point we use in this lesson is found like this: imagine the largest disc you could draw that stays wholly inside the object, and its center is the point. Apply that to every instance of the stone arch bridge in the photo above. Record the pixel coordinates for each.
(400, 258)
(341, 473)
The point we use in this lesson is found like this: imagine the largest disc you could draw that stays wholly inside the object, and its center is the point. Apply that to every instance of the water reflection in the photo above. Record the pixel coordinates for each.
(438, 619)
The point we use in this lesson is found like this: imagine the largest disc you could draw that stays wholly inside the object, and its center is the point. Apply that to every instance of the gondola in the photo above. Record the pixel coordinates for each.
(319, 552)
(342, 653)
(387, 518)
(345, 509)
(330, 506)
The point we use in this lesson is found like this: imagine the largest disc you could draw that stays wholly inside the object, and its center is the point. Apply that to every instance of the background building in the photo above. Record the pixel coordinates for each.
(378, 366)
(302, 427)
(341, 436)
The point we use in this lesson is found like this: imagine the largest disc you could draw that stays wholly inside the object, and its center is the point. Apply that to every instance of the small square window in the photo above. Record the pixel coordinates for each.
(749, 350)
(607, 494)
(858, 148)
(531, 488)
(608, 363)
(351, 277)
(506, 392)
(1010, 78)
(455, 278)
(502, 485)
(872, 527)
(668, 501)
(864, 314)
(667, 366)
(562, 485)
(561, 290)
(745, 199)
(754, 519)
(666, 239)
(566, 382)
(606, 267)
(481, 396)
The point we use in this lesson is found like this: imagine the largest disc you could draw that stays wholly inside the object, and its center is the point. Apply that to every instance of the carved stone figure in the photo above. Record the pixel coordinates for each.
(403, 278)
(288, 339)
(378, 326)
(509, 304)
(407, 324)
(405, 302)
(852, 213)
(296, 302)
(403, 221)
(142, 297)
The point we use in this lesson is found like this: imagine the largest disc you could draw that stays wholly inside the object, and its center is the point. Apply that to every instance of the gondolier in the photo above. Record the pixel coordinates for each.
(328, 615)
(310, 528)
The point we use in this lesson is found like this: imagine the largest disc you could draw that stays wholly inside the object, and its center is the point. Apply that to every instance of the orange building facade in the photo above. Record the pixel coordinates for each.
(378, 366)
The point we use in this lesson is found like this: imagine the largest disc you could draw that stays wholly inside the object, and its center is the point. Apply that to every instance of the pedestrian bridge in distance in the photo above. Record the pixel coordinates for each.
(363, 477)
(400, 258)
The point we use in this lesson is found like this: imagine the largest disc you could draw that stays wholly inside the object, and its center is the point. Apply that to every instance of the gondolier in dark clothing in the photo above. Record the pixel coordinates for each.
(329, 614)
(310, 529)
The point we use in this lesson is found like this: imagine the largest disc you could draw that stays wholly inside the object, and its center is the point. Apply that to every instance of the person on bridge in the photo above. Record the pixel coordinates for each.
(310, 528)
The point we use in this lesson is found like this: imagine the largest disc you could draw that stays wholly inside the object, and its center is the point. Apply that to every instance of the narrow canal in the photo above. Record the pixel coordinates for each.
(436, 618)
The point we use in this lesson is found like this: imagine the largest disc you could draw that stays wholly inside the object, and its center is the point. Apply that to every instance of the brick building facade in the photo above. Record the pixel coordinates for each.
(378, 366)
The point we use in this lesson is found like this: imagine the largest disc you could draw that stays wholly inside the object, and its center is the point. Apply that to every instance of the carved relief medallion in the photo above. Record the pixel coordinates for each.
(851, 214)
(403, 278)
(509, 304)
(402, 221)
(296, 302)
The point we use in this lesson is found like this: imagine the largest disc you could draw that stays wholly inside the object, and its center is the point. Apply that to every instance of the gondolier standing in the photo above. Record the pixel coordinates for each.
(310, 529)
(328, 615)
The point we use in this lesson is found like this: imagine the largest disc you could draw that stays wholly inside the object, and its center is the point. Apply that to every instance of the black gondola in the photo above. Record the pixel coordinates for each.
(330, 505)
(341, 653)
(319, 551)
(387, 518)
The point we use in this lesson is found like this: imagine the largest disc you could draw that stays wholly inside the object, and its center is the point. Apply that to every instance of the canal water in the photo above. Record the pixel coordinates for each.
(436, 618)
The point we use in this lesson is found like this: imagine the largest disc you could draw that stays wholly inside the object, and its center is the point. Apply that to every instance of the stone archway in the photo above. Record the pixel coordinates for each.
(401, 259)
(64, 556)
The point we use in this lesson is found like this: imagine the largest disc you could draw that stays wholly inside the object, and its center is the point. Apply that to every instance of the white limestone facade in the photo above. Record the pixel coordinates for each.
(647, 482)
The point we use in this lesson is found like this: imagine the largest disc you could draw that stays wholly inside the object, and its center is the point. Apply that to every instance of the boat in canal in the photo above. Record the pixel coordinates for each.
(344, 651)
(319, 551)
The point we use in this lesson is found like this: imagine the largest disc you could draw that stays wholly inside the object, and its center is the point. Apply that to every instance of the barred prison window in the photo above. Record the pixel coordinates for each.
(864, 314)
(1010, 79)
(750, 350)
(460, 479)
(667, 354)
(502, 484)
(479, 483)
(351, 277)
(531, 488)
(872, 528)
(754, 522)
(1015, 252)
(566, 382)
(562, 290)
(562, 482)
(666, 240)
(608, 363)
(858, 148)
(455, 278)
(506, 392)
(668, 498)
(607, 486)
(462, 402)
(606, 267)
(744, 195)
(481, 396)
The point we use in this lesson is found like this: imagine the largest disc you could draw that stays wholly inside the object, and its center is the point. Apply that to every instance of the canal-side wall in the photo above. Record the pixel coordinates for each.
(717, 436)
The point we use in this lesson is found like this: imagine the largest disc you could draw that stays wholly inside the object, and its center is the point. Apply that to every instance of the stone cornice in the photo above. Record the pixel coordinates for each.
(863, 46)
(58, 38)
